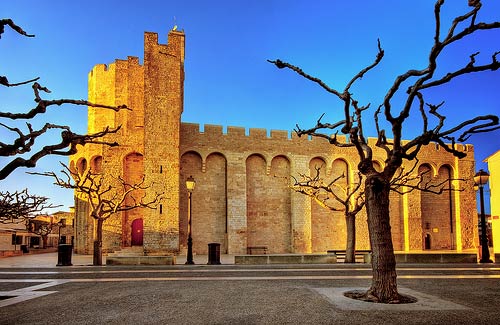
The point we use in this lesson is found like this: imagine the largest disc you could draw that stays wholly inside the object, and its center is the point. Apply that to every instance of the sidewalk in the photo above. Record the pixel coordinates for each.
(50, 260)
(42, 260)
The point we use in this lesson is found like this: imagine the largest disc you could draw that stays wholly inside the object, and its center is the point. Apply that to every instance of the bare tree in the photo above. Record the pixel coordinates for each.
(378, 183)
(106, 195)
(40, 228)
(350, 198)
(22, 148)
(19, 206)
(335, 197)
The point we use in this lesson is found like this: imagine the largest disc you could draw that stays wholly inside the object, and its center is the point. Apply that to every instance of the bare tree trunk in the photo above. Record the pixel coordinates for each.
(384, 285)
(44, 241)
(351, 239)
(98, 244)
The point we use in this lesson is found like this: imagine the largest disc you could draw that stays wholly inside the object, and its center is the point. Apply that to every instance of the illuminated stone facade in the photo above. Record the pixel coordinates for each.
(494, 184)
(242, 196)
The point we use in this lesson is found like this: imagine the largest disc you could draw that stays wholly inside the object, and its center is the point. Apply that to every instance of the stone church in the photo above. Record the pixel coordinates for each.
(242, 196)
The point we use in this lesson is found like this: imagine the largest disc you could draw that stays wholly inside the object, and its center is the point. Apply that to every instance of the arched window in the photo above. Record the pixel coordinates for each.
(96, 165)
(82, 166)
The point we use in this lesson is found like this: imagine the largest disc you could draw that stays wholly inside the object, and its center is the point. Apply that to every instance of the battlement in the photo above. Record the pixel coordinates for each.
(173, 48)
(152, 37)
(213, 131)
(99, 68)
(210, 130)
(102, 69)
(232, 131)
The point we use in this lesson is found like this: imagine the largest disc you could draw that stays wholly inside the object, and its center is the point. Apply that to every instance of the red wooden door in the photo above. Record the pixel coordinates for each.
(137, 232)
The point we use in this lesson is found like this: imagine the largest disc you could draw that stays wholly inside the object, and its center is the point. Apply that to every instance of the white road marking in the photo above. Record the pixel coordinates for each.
(27, 293)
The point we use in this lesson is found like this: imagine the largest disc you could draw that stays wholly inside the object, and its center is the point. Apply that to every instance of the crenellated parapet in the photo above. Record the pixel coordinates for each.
(217, 138)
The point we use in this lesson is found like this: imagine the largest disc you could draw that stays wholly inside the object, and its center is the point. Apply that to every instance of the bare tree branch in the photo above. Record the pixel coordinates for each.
(107, 195)
(331, 195)
(19, 206)
(469, 68)
(280, 64)
(396, 150)
(25, 141)
(42, 105)
(5, 82)
(405, 182)
(11, 24)
(69, 141)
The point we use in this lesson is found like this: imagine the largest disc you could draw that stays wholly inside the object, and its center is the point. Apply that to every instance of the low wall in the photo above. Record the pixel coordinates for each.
(436, 257)
(424, 258)
(10, 253)
(285, 259)
(140, 260)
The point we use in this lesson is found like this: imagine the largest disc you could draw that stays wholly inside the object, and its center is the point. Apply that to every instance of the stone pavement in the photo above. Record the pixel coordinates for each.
(33, 290)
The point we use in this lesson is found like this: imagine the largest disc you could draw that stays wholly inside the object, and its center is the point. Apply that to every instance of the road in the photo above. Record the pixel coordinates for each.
(233, 294)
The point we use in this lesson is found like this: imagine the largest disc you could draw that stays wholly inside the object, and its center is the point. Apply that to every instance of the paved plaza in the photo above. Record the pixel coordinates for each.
(33, 290)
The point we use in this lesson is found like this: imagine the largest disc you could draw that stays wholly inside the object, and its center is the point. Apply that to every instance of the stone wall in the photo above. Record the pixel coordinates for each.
(268, 207)
(242, 196)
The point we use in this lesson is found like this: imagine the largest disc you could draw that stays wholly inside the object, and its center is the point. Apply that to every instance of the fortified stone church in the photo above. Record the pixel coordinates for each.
(242, 196)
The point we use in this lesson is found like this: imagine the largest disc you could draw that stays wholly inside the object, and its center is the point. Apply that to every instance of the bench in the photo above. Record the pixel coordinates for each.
(252, 249)
(342, 251)
(363, 255)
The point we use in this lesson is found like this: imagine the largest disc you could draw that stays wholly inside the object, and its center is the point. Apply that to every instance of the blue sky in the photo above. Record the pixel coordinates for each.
(228, 81)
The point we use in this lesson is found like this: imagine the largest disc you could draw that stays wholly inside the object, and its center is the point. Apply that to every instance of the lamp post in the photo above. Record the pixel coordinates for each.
(190, 184)
(480, 179)
(61, 224)
(63, 250)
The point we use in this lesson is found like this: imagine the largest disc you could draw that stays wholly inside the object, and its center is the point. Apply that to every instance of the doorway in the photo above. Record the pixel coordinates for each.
(137, 227)
(427, 241)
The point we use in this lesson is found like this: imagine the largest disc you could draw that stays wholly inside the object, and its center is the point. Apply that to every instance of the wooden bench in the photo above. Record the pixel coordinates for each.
(363, 255)
(252, 249)
(342, 251)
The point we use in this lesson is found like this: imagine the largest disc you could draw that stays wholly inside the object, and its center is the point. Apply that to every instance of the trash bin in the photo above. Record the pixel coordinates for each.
(214, 253)
(24, 249)
(64, 252)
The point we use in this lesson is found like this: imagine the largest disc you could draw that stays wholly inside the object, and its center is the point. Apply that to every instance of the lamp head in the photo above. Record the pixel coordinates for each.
(190, 183)
(481, 178)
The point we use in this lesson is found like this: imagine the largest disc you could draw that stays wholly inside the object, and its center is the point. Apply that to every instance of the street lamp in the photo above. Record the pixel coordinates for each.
(61, 224)
(190, 184)
(480, 179)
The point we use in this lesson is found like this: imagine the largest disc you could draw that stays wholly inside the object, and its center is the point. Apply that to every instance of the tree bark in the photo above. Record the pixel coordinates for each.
(350, 256)
(384, 285)
(98, 244)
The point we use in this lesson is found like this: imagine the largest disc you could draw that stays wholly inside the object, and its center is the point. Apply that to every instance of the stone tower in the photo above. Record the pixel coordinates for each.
(149, 144)
(163, 105)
